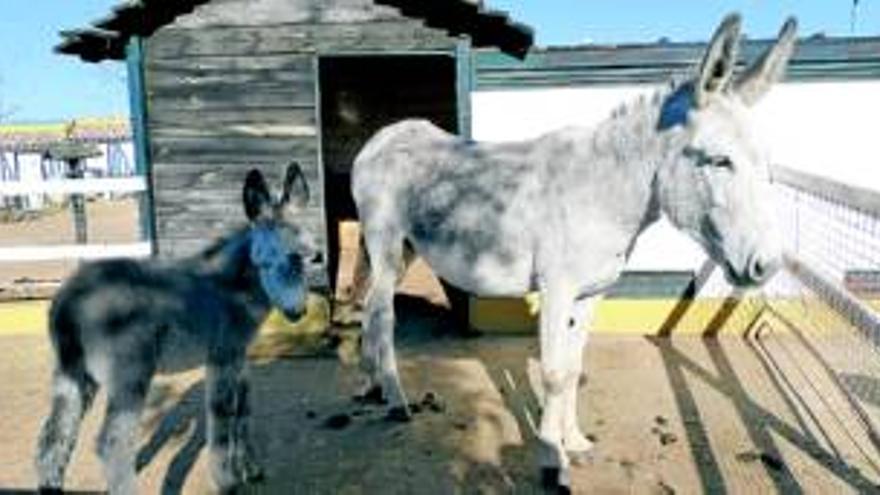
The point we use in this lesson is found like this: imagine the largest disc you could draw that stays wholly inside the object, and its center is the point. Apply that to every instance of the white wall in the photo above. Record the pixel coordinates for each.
(822, 128)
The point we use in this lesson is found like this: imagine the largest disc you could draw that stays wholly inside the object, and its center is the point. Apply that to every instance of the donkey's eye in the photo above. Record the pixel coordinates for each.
(704, 159)
(721, 161)
(294, 265)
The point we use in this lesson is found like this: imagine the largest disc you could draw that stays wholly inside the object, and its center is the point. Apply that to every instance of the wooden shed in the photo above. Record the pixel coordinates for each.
(220, 86)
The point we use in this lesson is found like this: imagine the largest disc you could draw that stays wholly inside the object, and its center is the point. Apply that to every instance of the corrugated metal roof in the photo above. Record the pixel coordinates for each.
(816, 58)
(106, 38)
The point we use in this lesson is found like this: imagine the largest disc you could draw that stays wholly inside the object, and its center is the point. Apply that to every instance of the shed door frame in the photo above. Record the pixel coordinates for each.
(462, 56)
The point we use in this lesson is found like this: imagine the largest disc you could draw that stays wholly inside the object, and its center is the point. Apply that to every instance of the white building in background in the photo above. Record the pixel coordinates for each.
(821, 120)
(23, 155)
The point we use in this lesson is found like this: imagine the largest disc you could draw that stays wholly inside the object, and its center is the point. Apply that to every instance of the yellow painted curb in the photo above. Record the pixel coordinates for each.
(613, 316)
(24, 317)
(31, 317)
(701, 316)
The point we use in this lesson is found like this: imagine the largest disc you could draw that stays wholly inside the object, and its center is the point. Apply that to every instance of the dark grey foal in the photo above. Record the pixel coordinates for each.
(116, 323)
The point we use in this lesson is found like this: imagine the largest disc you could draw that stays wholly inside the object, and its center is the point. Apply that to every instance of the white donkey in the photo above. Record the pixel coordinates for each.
(560, 214)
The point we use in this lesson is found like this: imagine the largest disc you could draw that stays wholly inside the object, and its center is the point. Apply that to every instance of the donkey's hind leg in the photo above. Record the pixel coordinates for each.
(72, 394)
(378, 358)
(117, 440)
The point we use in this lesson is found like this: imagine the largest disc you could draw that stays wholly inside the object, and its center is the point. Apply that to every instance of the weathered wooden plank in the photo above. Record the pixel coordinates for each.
(192, 73)
(266, 116)
(231, 83)
(211, 129)
(185, 221)
(170, 43)
(272, 122)
(260, 12)
(231, 149)
(233, 98)
(177, 185)
(198, 67)
(195, 176)
(197, 226)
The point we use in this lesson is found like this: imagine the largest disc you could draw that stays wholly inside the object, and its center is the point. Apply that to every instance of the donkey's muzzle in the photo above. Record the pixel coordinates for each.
(760, 269)
(293, 314)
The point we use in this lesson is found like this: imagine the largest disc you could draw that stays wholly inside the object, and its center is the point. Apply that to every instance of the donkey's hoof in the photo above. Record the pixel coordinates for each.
(399, 414)
(372, 396)
(555, 480)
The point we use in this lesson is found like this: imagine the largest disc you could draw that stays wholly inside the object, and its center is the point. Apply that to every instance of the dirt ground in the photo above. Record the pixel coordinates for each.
(679, 415)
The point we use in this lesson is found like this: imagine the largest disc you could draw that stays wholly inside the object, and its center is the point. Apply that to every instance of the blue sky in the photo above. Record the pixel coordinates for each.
(38, 85)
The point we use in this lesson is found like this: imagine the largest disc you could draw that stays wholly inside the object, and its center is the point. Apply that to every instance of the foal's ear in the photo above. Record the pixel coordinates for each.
(296, 189)
(255, 195)
(717, 66)
(770, 67)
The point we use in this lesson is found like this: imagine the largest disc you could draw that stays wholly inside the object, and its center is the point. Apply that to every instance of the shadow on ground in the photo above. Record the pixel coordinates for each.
(312, 437)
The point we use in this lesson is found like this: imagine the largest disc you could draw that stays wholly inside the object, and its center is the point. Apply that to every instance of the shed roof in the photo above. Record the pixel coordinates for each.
(106, 38)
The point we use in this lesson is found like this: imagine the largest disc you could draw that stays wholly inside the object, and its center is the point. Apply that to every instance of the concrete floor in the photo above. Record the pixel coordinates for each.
(672, 415)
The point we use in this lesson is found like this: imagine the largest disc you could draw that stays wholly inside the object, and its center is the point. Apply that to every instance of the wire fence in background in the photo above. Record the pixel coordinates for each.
(829, 292)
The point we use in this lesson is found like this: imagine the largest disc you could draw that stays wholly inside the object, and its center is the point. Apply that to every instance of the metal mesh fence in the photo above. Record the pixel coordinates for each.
(831, 236)
(829, 293)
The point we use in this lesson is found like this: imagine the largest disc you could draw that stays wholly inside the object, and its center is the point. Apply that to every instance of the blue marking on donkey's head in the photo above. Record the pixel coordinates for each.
(676, 106)
(277, 248)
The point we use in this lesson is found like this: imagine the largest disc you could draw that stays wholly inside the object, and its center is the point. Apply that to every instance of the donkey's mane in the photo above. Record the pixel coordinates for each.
(225, 255)
(677, 84)
(221, 244)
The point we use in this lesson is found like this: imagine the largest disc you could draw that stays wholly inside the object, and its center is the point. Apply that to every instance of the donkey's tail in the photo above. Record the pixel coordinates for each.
(361, 279)
(65, 335)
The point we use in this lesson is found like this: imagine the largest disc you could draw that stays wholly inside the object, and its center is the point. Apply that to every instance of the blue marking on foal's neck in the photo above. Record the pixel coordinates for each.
(676, 106)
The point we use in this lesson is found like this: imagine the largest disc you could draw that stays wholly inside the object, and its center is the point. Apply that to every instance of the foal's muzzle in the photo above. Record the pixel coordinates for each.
(293, 314)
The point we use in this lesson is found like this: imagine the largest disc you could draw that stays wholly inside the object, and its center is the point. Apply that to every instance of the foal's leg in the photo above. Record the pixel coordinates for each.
(246, 466)
(71, 397)
(117, 441)
(377, 347)
(228, 410)
(558, 377)
(576, 444)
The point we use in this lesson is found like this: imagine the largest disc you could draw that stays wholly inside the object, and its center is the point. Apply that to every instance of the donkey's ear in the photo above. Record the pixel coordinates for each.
(770, 67)
(719, 60)
(296, 189)
(255, 195)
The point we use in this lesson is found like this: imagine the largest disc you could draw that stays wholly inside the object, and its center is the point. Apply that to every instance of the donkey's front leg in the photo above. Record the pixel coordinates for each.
(222, 403)
(556, 309)
(576, 443)
(246, 465)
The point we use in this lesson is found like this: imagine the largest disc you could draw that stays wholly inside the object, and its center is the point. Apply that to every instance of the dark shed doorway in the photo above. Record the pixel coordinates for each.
(359, 96)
